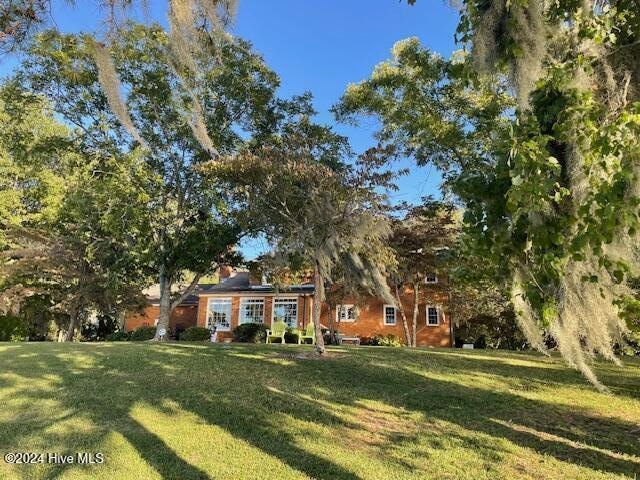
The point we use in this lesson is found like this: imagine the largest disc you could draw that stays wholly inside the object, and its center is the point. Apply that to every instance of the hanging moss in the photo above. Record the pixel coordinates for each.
(517, 30)
(110, 82)
(574, 157)
(186, 44)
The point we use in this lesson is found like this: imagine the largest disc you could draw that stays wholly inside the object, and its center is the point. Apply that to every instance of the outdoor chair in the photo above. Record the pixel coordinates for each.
(307, 333)
(277, 330)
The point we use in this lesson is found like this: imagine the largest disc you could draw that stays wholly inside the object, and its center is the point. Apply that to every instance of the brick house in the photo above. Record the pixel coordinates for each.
(182, 317)
(239, 298)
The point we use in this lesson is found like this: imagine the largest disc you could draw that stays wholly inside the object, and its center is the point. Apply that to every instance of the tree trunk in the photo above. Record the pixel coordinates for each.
(405, 324)
(71, 329)
(318, 297)
(330, 323)
(416, 286)
(122, 315)
(165, 304)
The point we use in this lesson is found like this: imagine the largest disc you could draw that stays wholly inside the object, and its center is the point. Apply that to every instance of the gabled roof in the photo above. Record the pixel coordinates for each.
(241, 283)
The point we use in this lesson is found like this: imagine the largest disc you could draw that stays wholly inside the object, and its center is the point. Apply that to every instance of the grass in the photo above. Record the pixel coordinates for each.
(185, 411)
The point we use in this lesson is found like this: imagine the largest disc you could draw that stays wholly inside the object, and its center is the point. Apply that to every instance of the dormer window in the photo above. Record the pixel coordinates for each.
(431, 279)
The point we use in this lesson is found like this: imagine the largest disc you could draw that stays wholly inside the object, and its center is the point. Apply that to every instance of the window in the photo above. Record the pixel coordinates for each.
(346, 313)
(389, 314)
(251, 310)
(431, 278)
(219, 314)
(286, 309)
(432, 316)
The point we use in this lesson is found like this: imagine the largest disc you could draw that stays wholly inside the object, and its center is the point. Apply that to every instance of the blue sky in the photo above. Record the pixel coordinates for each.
(320, 46)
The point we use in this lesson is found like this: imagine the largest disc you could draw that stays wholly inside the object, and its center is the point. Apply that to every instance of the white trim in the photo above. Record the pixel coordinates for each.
(252, 294)
(285, 299)
(427, 307)
(346, 319)
(228, 300)
(241, 312)
(431, 282)
(384, 314)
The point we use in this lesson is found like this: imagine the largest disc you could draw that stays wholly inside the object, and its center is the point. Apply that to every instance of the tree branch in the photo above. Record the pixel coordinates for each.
(188, 291)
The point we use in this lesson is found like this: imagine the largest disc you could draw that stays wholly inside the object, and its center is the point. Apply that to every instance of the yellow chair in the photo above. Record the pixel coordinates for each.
(307, 333)
(278, 329)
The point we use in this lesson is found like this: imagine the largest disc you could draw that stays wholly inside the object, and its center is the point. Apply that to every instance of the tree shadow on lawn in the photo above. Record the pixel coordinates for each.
(77, 393)
(246, 390)
(533, 368)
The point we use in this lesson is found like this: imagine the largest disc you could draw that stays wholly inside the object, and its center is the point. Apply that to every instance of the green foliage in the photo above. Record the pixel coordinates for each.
(139, 193)
(12, 328)
(141, 334)
(98, 330)
(388, 340)
(291, 335)
(35, 153)
(548, 179)
(66, 227)
(298, 190)
(195, 334)
(250, 333)
(491, 331)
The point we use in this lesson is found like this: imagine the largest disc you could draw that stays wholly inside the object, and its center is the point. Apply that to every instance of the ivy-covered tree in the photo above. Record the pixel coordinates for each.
(550, 186)
(573, 159)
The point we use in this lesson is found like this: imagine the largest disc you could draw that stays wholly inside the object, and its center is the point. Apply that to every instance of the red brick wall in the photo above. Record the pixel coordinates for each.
(183, 317)
(235, 311)
(370, 321)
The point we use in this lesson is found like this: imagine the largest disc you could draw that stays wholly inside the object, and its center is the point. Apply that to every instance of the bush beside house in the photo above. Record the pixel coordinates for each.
(195, 334)
(250, 333)
(141, 334)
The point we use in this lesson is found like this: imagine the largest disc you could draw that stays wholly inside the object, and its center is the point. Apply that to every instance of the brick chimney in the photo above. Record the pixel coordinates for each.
(225, 273)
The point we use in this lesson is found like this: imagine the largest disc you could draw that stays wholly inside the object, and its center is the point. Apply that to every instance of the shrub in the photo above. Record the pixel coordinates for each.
(141, 334)
(195, 334)
(631, 346)
(118, 337)
(291, 335)
(250, 333)
(98, 331)
(493, 331)
(389, 340)
(12, 329)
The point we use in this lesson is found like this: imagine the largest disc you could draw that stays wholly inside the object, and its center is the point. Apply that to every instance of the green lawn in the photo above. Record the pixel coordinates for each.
(182, 411)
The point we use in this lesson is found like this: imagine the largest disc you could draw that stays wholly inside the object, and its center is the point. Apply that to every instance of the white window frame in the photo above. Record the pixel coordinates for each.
(289, 300)
(437, 316)
(244, 301)
(221, 300)
(431, 282)
(346, 319)
(384, 314)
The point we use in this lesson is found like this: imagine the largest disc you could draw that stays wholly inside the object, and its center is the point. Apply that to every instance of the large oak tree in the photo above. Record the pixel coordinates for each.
(163, 126)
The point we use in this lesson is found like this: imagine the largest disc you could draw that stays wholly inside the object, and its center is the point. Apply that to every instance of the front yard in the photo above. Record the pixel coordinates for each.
(257, 412)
